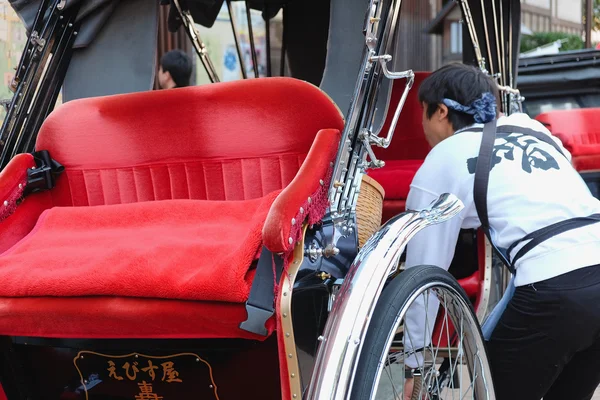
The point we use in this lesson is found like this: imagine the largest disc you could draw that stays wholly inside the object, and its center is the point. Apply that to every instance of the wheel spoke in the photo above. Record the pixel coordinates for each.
(442, 360)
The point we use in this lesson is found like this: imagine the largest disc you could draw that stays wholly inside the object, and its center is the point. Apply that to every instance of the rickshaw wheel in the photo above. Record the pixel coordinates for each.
(456, 349)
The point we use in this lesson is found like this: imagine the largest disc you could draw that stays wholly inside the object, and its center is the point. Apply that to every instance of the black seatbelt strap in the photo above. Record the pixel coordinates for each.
(260, 305)
(482, 178)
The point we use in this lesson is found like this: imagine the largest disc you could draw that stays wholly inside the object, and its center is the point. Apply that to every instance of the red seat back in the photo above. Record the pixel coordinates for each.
(228, 141)
(579, 130)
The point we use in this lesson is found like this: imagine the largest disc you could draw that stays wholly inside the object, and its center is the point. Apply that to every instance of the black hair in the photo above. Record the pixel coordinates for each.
(459, 82)
(179, 65)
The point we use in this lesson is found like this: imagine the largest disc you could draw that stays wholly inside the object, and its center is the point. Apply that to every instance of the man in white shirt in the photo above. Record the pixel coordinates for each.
(547, 342)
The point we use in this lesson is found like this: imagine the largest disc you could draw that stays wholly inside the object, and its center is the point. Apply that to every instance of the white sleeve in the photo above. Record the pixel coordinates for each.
(434, 245)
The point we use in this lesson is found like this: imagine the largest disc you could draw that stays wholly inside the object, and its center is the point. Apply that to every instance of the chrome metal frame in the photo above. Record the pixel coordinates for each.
(38, 77)
(348, 321)
(358, 136)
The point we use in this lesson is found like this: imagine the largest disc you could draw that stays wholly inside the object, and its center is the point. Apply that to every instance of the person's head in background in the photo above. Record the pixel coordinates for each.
(175, 70)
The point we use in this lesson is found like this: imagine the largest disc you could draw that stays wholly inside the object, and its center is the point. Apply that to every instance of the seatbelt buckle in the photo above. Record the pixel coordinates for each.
(257, 319)
(39, 179)
(43, 176)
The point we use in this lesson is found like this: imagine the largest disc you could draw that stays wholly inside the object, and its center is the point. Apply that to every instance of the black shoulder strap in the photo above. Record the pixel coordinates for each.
(482, 178)
(541, 235)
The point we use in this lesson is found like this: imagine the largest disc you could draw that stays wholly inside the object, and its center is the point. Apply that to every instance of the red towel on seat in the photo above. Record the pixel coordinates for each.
(172, 249)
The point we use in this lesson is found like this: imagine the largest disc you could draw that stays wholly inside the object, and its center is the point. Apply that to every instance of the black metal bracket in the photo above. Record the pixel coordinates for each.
(43, 177)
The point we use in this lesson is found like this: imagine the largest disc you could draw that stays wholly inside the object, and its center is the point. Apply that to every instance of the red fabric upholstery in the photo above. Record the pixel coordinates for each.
(409, 141)
(305, 198)
(240, 120)
(396, 177)
(392, 208)
(12, 183)
(230, 141)
(471, 285)
(579, 130)
(173, 249)
(122, 317)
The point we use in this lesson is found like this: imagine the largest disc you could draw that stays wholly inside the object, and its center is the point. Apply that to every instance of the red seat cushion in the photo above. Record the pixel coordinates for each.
(173, 249)
(579, 130)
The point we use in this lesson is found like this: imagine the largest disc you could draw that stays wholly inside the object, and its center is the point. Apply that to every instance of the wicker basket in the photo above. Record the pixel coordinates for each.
(368, 209)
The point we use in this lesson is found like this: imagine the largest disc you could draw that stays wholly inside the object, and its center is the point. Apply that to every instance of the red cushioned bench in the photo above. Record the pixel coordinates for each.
(167, 197)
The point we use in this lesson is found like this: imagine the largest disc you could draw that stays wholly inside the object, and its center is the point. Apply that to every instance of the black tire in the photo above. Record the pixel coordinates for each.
(390, 305)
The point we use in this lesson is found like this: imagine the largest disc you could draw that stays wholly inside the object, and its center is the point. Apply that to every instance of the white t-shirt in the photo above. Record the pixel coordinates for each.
(531, 186)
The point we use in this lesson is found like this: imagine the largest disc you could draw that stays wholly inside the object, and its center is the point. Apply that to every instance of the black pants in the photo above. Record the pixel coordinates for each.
(547, 342)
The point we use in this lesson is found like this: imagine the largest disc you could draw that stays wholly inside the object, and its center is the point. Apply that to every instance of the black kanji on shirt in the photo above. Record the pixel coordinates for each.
(532, 157)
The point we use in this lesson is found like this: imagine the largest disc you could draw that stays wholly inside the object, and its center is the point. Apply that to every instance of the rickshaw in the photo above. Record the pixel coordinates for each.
(224, 241)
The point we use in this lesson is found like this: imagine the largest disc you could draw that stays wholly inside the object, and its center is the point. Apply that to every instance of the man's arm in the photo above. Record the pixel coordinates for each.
(434, 245)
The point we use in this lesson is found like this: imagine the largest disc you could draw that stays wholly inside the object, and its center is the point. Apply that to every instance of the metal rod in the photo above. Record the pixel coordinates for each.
(251, 35)
(268, 40)
(33, 64)
(283, 45)
(50, 88)
(199, 46)
(511, 81)
(236, 39)
(589, 16)
(471, 28)
(502, 62)
(487, 38)
(41, 88)
(380, 24)
(497, 41)
(511, 78)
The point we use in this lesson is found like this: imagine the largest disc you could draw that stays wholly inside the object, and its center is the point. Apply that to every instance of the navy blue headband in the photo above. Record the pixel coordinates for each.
(483, 109)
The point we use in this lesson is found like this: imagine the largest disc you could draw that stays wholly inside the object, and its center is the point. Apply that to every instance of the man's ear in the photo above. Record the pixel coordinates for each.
(442, 112)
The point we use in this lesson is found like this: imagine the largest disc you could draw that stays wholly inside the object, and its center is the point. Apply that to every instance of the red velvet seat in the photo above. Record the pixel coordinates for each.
(407, 151)
(579, 130)
(230, 142)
